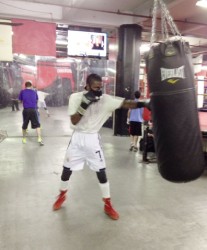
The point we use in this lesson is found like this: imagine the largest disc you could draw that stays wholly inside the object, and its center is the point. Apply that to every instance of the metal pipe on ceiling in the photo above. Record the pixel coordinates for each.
(118, 12)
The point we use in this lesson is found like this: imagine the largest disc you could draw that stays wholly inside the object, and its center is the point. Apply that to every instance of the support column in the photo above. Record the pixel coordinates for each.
(127, 75)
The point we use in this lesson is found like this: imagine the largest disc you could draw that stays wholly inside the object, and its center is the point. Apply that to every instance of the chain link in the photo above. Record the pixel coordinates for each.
(164, 29)
(154, 19)
(169, 19)
(166, 20)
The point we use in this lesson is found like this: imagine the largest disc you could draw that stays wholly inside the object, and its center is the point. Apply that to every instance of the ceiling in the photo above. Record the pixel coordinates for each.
(109, 15)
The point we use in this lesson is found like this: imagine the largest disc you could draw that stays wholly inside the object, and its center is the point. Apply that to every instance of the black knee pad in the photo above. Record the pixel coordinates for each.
(66, 173)
(102, 175)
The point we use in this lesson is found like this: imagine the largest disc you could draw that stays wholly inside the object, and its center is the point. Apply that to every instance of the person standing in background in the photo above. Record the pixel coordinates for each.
(135, 120)
(29, 99)
(14, 99)
(41, 100)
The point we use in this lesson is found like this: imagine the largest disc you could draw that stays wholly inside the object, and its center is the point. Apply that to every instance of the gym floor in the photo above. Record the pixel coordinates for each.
(155, 214)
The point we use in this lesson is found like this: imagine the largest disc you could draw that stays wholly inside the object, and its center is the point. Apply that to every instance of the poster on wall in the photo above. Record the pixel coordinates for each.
(6, 42)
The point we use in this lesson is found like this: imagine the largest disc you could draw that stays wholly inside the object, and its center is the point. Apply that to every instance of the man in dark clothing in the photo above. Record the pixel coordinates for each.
(14, 99)
(29, 99)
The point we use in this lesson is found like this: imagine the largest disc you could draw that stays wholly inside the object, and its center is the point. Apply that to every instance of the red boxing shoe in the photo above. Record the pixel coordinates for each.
(61, 198)
(109, 210)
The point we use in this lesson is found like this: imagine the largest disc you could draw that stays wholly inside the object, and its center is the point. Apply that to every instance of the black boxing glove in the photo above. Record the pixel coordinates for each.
(88, 98)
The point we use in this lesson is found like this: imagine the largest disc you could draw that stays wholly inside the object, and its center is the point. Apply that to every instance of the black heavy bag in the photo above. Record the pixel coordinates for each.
(177, 135)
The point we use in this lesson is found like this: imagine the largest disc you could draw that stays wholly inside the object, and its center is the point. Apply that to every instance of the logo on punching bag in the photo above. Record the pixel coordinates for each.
(172, 81)
(172, 73)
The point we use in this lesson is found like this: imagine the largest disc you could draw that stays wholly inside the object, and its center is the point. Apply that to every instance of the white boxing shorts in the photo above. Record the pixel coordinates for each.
(42, 104)
(83, 149)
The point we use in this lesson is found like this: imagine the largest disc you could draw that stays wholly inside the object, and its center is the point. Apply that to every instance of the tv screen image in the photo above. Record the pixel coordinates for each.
(88, 44)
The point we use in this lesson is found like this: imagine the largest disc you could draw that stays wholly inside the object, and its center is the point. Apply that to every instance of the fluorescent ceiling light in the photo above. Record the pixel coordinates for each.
(202, 3)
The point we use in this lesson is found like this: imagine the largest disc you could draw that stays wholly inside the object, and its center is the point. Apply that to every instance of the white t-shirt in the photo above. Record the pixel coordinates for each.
(41, 96)
(96, 114)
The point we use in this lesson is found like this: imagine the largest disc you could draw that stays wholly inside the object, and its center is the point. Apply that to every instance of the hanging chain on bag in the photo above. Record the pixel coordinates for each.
(154, 20)
(164, 29)
(166, 21)
(169, 19)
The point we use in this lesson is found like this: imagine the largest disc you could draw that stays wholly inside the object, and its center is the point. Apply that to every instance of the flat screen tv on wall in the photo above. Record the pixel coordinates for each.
(87, 44)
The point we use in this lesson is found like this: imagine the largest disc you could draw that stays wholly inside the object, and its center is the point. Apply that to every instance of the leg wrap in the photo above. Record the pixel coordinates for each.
(66, 173)
(102, 175)
(105, 189)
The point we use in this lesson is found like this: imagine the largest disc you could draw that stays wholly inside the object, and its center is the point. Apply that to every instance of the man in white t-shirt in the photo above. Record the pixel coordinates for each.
(41, 101)
(88, 111)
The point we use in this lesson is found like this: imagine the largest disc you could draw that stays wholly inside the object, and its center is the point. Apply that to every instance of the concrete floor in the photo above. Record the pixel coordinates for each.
(154, 214)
